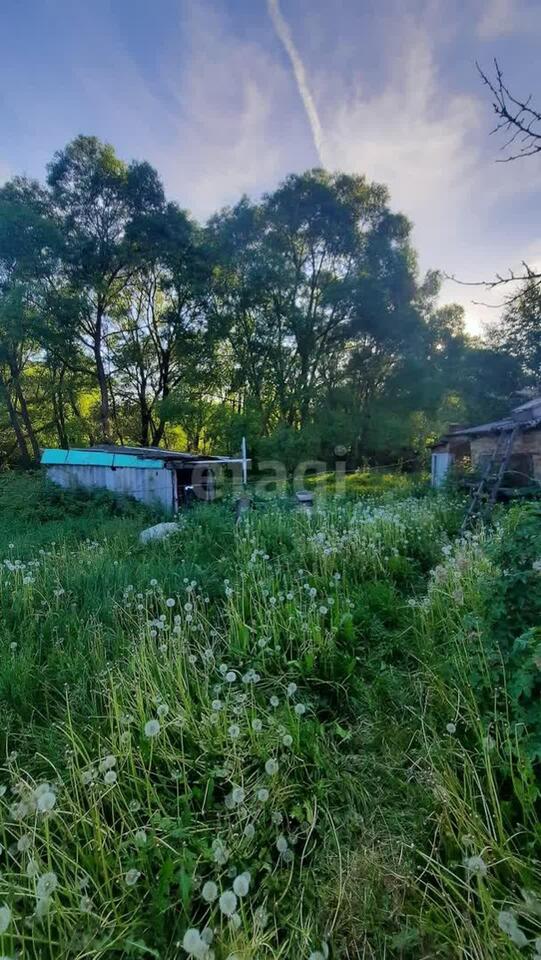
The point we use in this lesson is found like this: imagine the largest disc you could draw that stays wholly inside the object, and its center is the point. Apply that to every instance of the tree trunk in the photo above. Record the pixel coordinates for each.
(25, 416)
(14, 420)
(105, 416)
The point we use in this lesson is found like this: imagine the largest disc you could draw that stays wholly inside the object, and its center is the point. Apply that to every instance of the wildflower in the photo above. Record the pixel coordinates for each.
(209, 891)
(134, 806)
(287, 740)
(46, 884)
(223, 669)
(152, 728)
(476, 865)
(228, 903)
(451, 728)
(281, 844)
(249, 831)
(288, 856)
(162, 710)
(216, 705)
(257, 725)
(241, 884)
(277, 818)
(323, 610)
(263, 795)
(207, 936)
(230, 676)
(274, 701)
(107, 763)
(536, 565)
(221, 854)
(300, 709)
(24, 843)
(238, 795)
(85, 904)
(5, 918)
(193, 944)
(291, 689)
(131, 877)
(234, 731)
(261, 917)
(507, 922)
(32, 868)
(192, 659)
(170, 602)
(110, 778)
(271, 767)
(153, 583)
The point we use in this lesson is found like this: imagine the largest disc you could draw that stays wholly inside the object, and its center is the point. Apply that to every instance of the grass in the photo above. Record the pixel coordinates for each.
(300, 713)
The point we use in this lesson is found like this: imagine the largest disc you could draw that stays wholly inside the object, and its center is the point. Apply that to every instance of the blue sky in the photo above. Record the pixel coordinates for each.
(228, 96)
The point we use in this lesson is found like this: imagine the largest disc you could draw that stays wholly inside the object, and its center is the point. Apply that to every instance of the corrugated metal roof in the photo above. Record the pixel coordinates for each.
(98, 458)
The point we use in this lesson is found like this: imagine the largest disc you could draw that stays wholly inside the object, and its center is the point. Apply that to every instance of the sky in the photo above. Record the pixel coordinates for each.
(226, 97)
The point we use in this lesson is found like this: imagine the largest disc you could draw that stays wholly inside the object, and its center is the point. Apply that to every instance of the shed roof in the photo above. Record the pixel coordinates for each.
(114, 455)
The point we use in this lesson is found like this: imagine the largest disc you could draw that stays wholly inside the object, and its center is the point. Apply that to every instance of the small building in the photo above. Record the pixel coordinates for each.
(476, 445)
(164, 478)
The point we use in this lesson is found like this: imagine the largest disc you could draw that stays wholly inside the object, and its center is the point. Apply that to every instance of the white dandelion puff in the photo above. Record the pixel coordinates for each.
(46, 884)
(241, 884)
(131, 877)
(152, 728)
(271, 767)
(5, 918)
(209, 891)
(228, 903)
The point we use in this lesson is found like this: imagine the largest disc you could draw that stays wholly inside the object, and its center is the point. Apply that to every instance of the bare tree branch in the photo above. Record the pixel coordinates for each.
(518, 118)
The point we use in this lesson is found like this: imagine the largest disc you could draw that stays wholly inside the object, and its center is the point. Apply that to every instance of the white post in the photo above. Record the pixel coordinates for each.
(244, 462)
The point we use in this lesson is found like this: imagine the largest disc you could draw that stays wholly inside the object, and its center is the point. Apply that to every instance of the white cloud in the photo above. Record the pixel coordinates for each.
(499, 18)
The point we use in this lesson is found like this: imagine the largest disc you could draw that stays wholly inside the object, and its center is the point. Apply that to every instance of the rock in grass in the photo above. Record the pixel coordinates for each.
(160, 531)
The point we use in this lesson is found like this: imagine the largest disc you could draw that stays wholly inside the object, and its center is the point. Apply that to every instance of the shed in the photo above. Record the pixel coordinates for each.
(164, 478)
(477, 445)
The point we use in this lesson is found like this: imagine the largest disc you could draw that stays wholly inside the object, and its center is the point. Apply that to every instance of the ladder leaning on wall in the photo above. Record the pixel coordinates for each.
(485, 493)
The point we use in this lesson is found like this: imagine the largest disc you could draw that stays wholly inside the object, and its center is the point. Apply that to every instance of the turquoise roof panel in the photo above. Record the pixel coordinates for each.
(98, 458)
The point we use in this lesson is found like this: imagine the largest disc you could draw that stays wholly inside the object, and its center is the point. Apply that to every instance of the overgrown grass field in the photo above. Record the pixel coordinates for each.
(297, 738)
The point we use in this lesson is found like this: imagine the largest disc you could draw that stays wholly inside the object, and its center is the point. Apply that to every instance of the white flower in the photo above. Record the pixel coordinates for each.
(231, 676)
(300, 709)
(162, 710)
(277, 818)
(507, 922)
(287, 740)
(153, 583)
(170, 602)
(216, 705)
(234, 731)
(5, 918)
(249, 831)
(263, 795)
(271, 767)
(110, 778)
(274, 701)
(451, 728)
(193, 944)
(476, 865)
(291, 689)
(221, 854)
(131, 877)
(152, 728)
(107, 763)
(140, 838)
(228, 903)
(241, 884)
(209, 891)
(281, 844)
(24, 843)
(85, 904)
(46, 884)
(536, 565)
(257, 725)
(207, 935)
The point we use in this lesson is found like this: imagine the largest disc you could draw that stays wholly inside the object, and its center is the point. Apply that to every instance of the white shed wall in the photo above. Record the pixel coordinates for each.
(154, 487)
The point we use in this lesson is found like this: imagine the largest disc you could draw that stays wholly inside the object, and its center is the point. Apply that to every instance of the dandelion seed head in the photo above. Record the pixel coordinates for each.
(287, 740)
(152, 728)
(476, 865)
(110, 778)
(5, 918)
(162, 710)
(46, 884)
(281, 844)
(241, 884)
(300, 709)
(131, 877)
(209, 891)
(249, 831)
(263, 795)
(257, 725)
(274, 701)
(228, 903)
(451, 728)
(271, 767)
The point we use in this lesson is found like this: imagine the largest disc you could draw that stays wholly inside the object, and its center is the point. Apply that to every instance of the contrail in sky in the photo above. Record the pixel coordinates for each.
(284, 33)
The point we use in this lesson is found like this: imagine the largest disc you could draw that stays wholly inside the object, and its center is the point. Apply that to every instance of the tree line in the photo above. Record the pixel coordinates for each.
(299, 320)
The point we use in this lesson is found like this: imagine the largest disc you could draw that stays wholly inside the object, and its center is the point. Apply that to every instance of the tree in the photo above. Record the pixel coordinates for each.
(101, 203)
(519, 333)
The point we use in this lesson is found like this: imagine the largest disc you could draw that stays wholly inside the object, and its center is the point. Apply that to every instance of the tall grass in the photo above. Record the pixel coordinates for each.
(237, 744)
